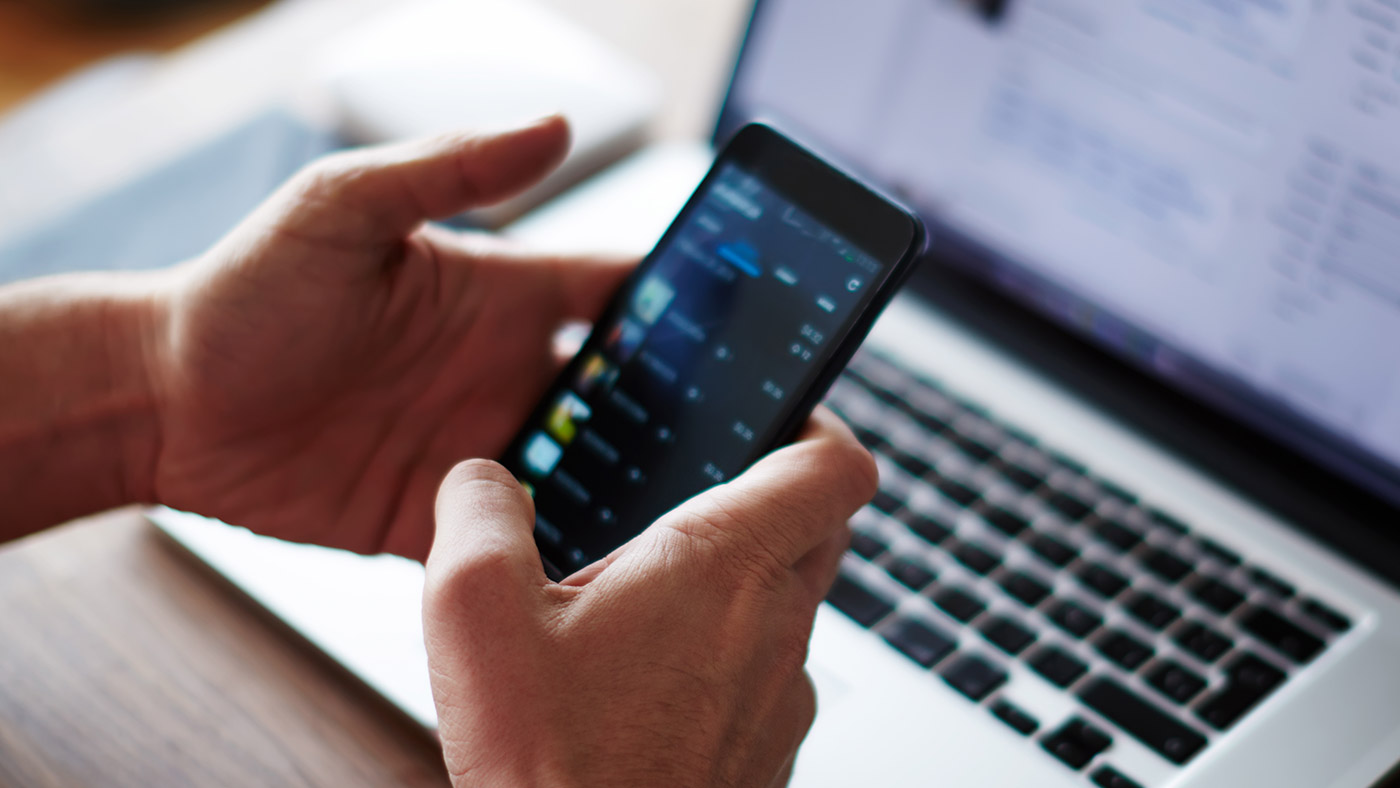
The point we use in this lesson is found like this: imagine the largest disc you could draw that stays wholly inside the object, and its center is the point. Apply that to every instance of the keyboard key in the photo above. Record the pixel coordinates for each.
(1025, 587)
(1058, 666)
(1074, 618)
(1109, 777)
(911, 572)
(976, 557)
(1248, 680)
(958, 603)
(867, 546)
(1175, 681)
(869, 438)
(1270, 584)
(883, 394)
(1325, 615)
(1019, 721)
(1216, 594)
(1215, 550)
(1114, 490)
(1068, 505)
(973, 676)
(886, 502)
(1054, 550)
(1003, 520)
(914, 466)
(1073, 466)
(855, 600)
(1008, 634)
(1123, 649)
(1282, 635)
(931, 530)
(1164, 521)
(1142, 720)
(1152, 610)
(1165, 564)
(1018, 436)
(971, 447)
(956, 491)
(932, 422)
(1019, 475)
(1116, 535)
(1203, 642)
(1076, 743)
(924, 643)
(1101, 580)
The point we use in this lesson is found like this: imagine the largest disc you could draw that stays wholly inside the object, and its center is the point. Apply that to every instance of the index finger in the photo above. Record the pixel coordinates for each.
(789, 502)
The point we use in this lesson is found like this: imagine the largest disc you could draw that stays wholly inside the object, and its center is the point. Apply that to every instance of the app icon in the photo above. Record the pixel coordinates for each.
(565, 416)
(542, 454)
(597, 375)
(652, 298)
(625, 338)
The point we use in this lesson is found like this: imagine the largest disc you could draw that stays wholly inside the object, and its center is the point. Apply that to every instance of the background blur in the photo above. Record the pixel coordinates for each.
(134, 133)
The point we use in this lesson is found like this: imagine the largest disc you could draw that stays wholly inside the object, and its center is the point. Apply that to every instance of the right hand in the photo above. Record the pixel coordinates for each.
(677, 660)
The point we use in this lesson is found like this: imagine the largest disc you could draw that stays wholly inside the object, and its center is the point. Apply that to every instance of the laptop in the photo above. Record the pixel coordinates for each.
(1137, 419)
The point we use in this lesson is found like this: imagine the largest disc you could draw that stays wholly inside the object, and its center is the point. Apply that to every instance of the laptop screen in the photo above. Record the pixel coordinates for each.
(1210, 187)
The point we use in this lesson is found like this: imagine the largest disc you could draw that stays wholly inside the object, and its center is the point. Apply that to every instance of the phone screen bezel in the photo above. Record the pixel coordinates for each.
(874, 223)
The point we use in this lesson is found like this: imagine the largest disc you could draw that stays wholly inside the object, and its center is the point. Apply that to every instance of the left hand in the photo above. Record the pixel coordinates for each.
(321, 369)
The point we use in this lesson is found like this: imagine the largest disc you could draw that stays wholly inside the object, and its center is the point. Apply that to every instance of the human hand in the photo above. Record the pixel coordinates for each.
(325, 365)
(676, 661)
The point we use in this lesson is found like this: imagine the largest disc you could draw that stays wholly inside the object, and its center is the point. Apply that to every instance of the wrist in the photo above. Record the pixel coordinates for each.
(135, 318)
(80, 432)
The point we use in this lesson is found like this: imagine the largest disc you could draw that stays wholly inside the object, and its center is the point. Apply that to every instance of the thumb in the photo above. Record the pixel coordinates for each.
(382, 193)
(484, 553)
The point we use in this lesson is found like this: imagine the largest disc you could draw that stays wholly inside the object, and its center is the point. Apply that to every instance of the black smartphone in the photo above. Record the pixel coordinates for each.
(716, 349)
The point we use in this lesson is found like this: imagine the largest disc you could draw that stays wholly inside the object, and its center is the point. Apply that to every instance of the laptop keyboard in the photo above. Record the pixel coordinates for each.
(985, 549)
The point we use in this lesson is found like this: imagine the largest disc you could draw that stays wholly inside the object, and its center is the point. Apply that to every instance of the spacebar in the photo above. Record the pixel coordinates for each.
(1143, 721)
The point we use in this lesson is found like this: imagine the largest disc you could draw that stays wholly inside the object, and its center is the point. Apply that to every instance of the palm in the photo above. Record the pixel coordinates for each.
(333, 373)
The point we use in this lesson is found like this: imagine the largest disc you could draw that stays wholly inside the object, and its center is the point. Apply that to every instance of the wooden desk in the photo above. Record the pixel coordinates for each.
(125, 663)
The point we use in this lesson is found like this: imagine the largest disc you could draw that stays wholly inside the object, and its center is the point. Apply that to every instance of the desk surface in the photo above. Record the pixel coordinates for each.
(123, 662)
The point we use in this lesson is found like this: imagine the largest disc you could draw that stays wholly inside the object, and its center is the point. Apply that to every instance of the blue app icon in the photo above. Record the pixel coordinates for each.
(542, 454)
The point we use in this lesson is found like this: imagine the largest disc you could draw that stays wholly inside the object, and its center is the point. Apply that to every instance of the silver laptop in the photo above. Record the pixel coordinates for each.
(1138, 420)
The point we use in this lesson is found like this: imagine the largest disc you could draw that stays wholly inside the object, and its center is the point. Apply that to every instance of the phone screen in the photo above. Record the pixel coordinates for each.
(695, 368)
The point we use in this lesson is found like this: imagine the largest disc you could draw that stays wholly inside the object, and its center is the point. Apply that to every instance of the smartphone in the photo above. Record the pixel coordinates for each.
(716, 349)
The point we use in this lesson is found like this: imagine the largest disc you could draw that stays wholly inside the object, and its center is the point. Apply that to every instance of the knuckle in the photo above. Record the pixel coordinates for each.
(864, 473)
(479, 569)
(329, 176)
(806, 702)
(850, 473)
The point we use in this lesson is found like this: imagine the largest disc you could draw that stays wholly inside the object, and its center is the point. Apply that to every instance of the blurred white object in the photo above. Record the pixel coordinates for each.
(445, 65)
(316, 61)
(363, 612)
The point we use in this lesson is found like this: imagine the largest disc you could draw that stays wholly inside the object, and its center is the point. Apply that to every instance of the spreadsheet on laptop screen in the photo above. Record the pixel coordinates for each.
(1223, 176)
